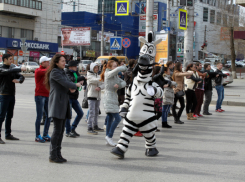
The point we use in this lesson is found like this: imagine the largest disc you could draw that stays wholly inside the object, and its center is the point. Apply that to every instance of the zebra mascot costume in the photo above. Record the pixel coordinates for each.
(138, 107)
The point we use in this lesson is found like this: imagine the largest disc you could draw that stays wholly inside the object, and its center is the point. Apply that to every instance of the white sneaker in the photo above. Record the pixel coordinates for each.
(110, 141)
(104, 127)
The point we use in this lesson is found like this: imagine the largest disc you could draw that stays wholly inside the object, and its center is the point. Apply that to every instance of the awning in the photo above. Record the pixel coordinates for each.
(239, 35)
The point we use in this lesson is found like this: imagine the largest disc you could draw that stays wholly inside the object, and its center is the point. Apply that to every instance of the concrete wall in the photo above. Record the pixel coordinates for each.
(45, 25)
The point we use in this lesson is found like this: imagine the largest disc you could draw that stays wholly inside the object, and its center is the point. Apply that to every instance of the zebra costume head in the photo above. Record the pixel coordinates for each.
(147, 58)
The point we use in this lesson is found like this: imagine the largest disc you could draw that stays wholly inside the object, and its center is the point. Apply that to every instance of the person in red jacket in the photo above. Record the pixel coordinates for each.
(41, 99)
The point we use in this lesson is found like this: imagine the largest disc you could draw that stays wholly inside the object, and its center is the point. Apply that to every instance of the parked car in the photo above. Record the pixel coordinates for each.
(240, 64)
(82, 66)
(31, 66)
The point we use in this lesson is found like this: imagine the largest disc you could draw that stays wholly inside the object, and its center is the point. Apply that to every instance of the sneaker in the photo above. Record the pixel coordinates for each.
(39, 139)
(195, 116)
(222, 110)
(138, 134)
(75, 133)
(1, 141)
(72, 135)
(92, 132)
(104, 127)
(219, 110)
(110, 141)
(96, 128)
(47, 138)
(200, 115)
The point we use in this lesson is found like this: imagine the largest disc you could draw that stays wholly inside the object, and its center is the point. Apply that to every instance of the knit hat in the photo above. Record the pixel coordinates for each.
(92, 65)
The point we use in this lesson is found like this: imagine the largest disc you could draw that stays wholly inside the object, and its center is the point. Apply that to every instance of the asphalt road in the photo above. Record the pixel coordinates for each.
(209, 149)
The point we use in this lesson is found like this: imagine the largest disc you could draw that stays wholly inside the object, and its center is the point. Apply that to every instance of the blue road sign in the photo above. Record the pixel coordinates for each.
(116, 43)
(122, 8)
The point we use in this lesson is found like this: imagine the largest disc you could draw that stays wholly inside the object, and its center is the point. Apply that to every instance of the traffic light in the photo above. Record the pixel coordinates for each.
(186, 2)
(179, 47)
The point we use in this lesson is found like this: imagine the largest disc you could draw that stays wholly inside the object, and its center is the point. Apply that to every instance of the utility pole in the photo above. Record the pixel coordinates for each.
(188, 38)
(149, 17)
(205, 38)
(233, 54)
(168, 25)
(102, 30)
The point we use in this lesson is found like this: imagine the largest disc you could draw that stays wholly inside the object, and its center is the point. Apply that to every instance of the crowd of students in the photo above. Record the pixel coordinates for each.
(57, 93)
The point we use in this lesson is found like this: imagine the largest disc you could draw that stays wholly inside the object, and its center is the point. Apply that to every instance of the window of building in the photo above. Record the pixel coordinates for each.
(17, 33)
(212, 16)
(30, 5)
(218, 18)
(225, 20)
(4, 31)
(74, 6)
(230, 21)
(28, 34)
(205, 14)
(34, 4)
(0, 28)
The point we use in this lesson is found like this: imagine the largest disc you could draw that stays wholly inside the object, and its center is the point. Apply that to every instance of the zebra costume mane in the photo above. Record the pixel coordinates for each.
(144, 68)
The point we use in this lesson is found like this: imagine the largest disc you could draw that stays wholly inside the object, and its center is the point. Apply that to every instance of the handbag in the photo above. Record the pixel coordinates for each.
(180, 93)
(85, 103)
(85, 100)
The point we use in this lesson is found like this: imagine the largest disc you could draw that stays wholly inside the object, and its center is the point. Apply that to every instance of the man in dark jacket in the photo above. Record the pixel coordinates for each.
(208, 88)
(75, 77)
(9, 75)
(128, 74)
(219, 80)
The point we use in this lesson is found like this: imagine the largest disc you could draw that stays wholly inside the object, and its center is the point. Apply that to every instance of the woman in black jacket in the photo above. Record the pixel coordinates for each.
(158, 78)
(59, 85)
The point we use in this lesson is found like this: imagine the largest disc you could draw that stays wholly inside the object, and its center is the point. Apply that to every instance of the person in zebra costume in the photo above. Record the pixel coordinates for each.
(138, 108)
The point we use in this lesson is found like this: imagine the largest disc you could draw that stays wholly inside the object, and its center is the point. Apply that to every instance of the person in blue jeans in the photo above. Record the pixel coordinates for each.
(75, 77)
(112, 84)
(168, 97)
(219, 80)
(41, 99)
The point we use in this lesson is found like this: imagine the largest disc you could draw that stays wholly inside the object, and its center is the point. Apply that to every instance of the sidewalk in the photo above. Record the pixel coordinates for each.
(234, 93)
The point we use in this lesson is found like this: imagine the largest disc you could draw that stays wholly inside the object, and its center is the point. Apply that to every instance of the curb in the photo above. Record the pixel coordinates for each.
(230, 103)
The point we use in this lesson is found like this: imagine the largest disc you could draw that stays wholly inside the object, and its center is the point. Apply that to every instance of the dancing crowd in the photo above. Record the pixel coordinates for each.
(57, 92)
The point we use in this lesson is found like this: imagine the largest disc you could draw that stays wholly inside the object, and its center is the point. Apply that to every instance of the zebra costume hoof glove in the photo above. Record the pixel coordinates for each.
(151, 152)
(123, 112)
(118, 152)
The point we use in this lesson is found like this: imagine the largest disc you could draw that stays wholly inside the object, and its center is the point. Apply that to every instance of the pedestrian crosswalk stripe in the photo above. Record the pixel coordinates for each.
(122, 9)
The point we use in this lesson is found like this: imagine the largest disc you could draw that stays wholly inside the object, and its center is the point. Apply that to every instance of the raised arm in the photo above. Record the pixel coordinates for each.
(4, 71)
(116, 71)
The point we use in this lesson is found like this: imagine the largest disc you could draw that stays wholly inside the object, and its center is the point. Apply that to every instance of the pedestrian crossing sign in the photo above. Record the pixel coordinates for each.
(182, 19)
(122, 8)
(116, 43)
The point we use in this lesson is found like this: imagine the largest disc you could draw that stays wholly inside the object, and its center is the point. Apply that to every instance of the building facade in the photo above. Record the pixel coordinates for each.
(35, 20)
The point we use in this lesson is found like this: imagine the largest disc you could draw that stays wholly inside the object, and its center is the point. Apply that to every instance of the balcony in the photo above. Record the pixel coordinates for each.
(19, 10)
(240, 2)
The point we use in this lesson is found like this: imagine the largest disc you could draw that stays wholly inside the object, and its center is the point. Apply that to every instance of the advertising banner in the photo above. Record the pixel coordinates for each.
(140, 8)
(162, 49)
(90, 53)
(78, 36)
(182, 19)
(142, 24)
(1, 55)
(107, 36)
(34, 54)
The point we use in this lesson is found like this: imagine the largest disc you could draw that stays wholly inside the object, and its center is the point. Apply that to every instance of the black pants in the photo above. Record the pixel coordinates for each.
(191, 101)
(56, 138)
(182, 106)
(158, 115)
(208, 99)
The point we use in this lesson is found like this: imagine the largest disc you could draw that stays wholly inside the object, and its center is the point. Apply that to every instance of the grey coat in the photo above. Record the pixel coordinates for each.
(111, 103)
(58, 104)
(168, 94)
